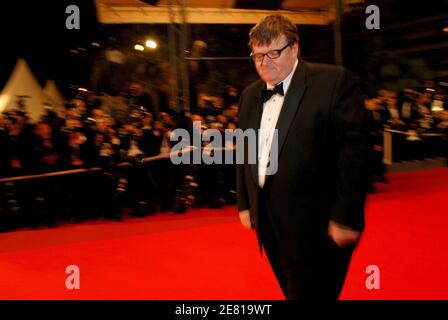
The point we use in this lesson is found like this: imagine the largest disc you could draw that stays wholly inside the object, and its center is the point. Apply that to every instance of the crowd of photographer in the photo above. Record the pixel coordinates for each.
(105, 166)
(417, 122)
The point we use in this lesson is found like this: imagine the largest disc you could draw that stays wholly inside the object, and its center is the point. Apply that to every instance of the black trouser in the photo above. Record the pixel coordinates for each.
(319, 276)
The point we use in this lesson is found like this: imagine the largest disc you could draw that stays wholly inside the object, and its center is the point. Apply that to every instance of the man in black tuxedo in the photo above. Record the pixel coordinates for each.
(309, 215)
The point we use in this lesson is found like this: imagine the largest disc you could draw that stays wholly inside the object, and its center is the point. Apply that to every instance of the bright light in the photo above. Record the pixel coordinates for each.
(151, 44)
(445, 29)
(82, 89)
(139, 47)
(437, 106)
(4, 100)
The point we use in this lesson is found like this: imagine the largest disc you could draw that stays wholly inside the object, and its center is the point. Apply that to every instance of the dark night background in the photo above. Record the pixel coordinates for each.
(410, 46)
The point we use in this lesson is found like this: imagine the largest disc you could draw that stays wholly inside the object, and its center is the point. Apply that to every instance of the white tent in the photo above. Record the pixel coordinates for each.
(54, 97)
(23, 82)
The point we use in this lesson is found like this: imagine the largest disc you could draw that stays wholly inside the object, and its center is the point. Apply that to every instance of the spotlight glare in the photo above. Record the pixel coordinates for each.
(151, 44)
(139, 47)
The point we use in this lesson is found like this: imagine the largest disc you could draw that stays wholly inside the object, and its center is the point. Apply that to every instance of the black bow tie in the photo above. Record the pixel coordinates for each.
(267, 94)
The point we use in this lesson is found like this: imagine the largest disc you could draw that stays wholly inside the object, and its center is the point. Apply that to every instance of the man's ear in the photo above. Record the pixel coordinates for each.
(296, 49)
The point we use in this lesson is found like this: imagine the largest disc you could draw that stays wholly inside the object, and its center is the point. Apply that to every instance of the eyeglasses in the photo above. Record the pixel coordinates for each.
(272, 54)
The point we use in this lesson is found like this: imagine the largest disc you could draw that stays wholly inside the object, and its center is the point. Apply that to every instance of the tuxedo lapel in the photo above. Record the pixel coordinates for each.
(290, 106)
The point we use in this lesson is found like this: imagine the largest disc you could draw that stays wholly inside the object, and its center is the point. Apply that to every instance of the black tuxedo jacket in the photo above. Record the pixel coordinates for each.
(322, 147)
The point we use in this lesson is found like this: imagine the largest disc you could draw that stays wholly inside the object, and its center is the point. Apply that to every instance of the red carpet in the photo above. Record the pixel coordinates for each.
(206, 254)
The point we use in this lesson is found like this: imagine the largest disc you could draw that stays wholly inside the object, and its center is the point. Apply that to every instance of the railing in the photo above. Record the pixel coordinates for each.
(93, 169)
(412, 135)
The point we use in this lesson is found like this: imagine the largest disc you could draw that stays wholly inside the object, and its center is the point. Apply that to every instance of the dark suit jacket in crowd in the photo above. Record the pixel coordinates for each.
(322, 143)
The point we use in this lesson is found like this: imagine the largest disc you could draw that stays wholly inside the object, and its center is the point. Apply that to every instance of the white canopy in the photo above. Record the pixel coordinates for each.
(23, 82)
(54, 97)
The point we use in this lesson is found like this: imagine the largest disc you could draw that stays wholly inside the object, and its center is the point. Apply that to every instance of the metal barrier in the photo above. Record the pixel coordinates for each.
(388, 141)
(139, 183)
(94, 169)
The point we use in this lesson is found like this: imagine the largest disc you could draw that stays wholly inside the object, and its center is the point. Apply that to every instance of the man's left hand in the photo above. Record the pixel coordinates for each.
(343, 235)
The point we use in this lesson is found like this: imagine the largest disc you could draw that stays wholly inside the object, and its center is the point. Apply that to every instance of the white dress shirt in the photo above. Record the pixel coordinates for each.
(271, 112)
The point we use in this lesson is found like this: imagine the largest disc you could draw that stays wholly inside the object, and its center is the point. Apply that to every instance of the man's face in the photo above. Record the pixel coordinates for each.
(43, 130)
(273, 71)
(392, 101)
(425, 97)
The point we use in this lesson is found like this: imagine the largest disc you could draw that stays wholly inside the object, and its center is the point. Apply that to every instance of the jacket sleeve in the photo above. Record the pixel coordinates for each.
(349, 128)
